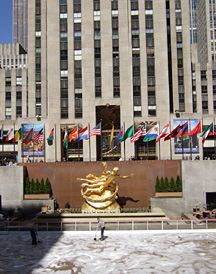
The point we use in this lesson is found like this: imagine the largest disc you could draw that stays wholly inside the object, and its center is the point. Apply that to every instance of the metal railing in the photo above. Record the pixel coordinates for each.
(129, 225)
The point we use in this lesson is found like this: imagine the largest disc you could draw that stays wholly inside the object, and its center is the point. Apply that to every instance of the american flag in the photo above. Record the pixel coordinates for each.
(39, 136)
(96, 130)
(138, 134)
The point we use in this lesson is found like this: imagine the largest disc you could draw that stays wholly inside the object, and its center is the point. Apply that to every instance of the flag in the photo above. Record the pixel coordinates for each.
(73, 135)
(151, 134)
(65, 140)
(96, 130)
(196, 129)
(39, 136)
(112, 137)
(128, 133)
(29, 137)
(50, 138)
(1, 133)
(138, 134)
(10, 135)
(205, 133)
(164, 132)
(178, 131)
(82, 134)
(18, 135)
(120, 134)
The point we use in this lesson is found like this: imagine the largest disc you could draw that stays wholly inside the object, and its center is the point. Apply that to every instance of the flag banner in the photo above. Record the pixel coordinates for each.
(73, 135)
(82, 135)
(151, 134)
(50, 138)
(164, 132)
(138, 134)
(29, 137)
(39, 136)
(18, 135)
(196, 130)
(185, 144)
(31, 147)
(128, 133)
(178, 131)
(96, 130)
(205, 133)
(112, 137)
(120, 134)
(65, 140)
(10, 135)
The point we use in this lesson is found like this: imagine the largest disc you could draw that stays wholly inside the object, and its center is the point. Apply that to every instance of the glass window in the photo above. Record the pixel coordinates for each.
(19, 81)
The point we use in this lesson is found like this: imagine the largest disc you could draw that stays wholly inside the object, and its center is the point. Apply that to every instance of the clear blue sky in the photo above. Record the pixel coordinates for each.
(6, 19)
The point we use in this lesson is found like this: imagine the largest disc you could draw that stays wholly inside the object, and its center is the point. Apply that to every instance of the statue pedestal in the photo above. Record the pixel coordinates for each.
(105, 203)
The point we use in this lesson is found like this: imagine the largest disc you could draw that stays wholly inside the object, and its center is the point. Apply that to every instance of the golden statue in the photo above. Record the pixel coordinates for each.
(101, 192)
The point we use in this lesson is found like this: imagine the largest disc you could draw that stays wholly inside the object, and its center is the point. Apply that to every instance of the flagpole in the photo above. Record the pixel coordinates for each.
(159, 141)
(55, 143)
(14, 144)
(101, 139)
(124, 145)
(214, 138)
(190, 138)
(170, 142)
(33, 143)
(2, 143)
(89, 143)
(44, 145)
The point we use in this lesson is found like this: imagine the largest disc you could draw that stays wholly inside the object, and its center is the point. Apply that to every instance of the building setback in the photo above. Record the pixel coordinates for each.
(119, 63)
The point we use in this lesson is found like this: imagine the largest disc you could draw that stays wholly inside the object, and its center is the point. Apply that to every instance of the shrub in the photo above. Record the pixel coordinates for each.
(27, 186)
(48, 189)
(32, 186)
(166, 185)
(157, 185)
(42, 187)
(162, 184)
(172, 185)
(37, 186)
(178, 184)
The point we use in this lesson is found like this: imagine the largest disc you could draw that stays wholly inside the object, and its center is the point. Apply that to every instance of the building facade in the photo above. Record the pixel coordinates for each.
(119, 63)
(20, 23)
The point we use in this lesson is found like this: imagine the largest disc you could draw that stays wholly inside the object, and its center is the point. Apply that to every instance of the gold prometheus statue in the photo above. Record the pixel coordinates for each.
(101, 192)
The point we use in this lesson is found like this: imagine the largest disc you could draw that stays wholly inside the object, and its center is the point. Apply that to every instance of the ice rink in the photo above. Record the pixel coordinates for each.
(122, 252)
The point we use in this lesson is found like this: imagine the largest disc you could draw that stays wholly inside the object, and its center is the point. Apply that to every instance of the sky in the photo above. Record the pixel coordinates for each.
(6, 19)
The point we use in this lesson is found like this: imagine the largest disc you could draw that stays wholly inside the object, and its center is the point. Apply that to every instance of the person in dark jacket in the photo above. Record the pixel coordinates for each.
(102, 228)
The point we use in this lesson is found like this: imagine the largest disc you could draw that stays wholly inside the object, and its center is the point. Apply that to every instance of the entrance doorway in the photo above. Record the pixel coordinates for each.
(109, 116)
(211, 200)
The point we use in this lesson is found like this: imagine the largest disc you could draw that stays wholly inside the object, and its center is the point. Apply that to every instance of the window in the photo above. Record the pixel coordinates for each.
(213, 74)
(63, 36)
(8, 81)
(19, 81)
(203, 75)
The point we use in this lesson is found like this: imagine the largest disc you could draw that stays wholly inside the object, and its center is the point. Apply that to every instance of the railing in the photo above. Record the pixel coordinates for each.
(129, 225)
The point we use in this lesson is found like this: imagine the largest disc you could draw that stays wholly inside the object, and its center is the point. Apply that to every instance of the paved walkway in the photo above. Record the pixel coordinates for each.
(130, 252)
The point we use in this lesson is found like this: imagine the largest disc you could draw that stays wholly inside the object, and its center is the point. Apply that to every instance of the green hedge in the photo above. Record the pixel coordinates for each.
(36, 187)
(164, 185)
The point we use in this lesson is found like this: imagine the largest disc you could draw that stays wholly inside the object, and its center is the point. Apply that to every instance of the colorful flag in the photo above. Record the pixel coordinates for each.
(151, 134)
(29, 137)
(10, 135)
(18, 135)
(205, 133)
(128, 133)
(50, 138)
(73, 135)
(196, 129)
(39, 136)
(65, 140)
(112, 137)
(178, 131)
(96, 130)
(138, 134)
(120, 134)
(164, 132)
(82, 135)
